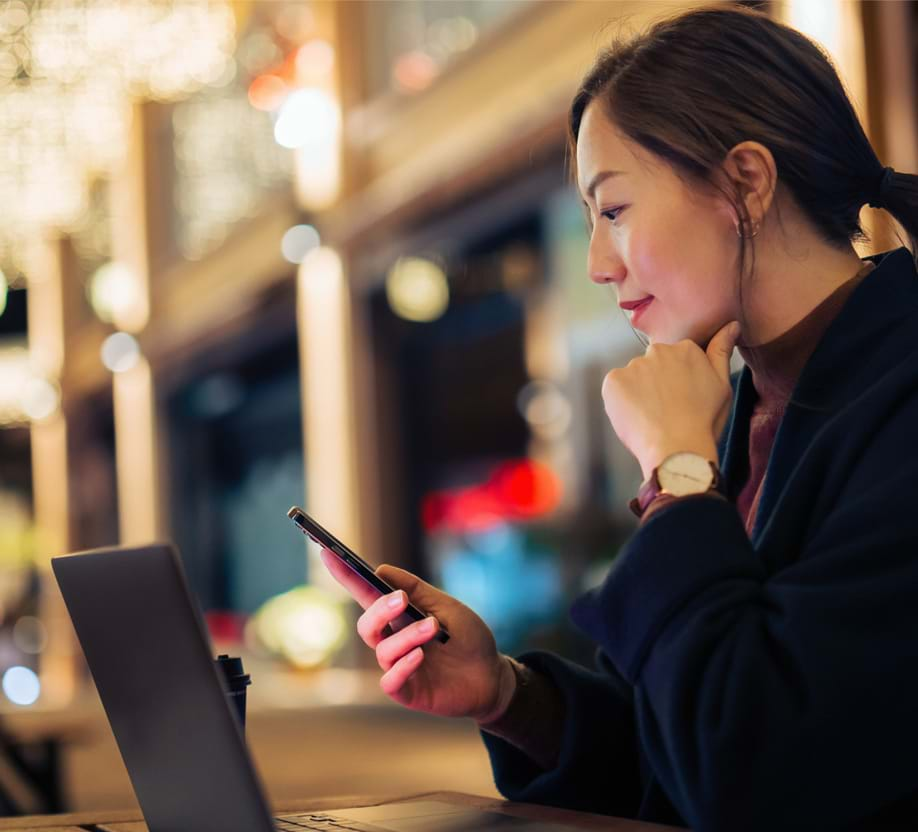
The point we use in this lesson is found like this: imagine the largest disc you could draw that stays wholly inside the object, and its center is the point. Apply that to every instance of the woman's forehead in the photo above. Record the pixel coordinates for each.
(601, 148)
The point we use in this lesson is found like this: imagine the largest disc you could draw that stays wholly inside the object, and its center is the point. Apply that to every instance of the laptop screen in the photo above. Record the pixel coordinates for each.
(148, 652)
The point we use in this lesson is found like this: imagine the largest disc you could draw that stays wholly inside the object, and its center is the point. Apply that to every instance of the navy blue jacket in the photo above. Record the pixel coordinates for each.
(766, 681)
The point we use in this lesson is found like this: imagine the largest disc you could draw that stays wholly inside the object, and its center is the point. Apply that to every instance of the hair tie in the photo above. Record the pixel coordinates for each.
(881, 189)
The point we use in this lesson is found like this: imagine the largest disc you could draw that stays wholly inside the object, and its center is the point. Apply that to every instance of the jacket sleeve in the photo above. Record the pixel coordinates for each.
(597, 769)
(786, 700)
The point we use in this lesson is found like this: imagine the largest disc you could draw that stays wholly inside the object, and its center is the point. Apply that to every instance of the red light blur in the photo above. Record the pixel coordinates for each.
(515, 490)
(224, 626)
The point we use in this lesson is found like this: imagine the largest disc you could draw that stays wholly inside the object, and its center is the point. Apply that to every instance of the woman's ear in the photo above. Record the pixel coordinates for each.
(751, 173)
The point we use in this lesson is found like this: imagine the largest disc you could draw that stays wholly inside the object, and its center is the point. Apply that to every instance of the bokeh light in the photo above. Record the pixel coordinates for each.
(314, 61)
(417, 289)
(21, 685)
(40, 399)
(515, 490)
(546, 408)
(113, 292)
(267, 92)
(298, 241)
(414, 71)
(120, 352)
(452, 34)
(68, 74)
(304, 625)
(15, 374)
(30, 635)
(307, 117)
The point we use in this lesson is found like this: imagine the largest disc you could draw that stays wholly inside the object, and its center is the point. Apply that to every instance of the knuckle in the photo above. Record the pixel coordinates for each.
(386, 684)
(393, 679)
(369, 625)
(391, 650)
(362, 628)
(384, 655)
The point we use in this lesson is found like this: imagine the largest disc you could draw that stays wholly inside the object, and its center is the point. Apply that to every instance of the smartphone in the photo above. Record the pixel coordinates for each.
(359, 566)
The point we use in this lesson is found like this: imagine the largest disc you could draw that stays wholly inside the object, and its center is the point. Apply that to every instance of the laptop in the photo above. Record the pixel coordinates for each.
(180, 738)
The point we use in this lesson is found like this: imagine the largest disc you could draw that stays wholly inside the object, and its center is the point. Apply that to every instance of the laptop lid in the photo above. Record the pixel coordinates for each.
(147, 648)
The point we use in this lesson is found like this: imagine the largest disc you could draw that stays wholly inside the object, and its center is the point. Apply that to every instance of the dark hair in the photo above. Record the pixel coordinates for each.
(696, 84)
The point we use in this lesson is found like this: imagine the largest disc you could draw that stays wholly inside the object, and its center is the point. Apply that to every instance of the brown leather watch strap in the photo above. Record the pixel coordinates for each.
(650, 489)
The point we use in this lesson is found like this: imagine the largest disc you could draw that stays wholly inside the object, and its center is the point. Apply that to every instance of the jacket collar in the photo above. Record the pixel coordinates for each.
(862, 340)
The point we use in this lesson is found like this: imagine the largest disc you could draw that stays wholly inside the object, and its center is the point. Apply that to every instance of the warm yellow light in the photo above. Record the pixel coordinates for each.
(15, 374)
(324, 324)
(308, 118)
(50, 498)
(17, 537)
(304, 625)
(135, 453)
(4, 290)
(314, 61)
(310, 122)
(837, 26)
(67, 83)
(115, 293)
(417, 289)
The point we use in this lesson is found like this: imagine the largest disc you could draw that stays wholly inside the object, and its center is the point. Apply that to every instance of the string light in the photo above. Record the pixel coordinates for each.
(68, 72)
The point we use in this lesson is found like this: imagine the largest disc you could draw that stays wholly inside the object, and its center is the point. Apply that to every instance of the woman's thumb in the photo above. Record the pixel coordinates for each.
(419, 592)
(720, 348)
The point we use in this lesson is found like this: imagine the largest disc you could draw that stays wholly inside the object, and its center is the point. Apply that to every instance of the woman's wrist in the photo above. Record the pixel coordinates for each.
(506, 689)
(533, 718)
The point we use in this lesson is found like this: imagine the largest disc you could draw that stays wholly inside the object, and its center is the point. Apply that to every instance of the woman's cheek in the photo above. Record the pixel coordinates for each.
(647, 256)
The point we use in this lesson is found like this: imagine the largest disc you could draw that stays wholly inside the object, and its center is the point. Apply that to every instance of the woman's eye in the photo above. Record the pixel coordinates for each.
(612, 213)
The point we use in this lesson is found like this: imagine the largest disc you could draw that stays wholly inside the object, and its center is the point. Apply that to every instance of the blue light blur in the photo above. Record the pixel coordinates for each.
(514, 584)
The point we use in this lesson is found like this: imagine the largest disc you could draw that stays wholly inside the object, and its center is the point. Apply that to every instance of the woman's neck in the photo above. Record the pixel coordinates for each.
(776, 364)
(784, 290)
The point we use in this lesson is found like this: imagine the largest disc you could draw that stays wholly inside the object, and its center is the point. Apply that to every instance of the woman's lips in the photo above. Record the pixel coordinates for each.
(637, 309)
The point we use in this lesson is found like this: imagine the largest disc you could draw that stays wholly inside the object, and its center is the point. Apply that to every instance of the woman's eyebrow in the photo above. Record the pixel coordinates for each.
(599, 178)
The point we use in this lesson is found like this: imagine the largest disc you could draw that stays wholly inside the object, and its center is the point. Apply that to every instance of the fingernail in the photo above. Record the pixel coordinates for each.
(427, 627)
(415, 654)
(395, 600)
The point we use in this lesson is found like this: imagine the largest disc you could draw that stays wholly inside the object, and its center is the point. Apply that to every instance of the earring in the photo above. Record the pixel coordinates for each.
(755, 230)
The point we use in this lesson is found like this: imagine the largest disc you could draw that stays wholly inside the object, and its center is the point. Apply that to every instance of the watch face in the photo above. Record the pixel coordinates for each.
(685, 473)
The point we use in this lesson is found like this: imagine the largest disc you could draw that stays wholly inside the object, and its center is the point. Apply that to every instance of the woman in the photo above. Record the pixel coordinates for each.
(758, 634)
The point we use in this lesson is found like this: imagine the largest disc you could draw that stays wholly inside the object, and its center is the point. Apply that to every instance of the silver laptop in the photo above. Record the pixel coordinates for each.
(182, 744)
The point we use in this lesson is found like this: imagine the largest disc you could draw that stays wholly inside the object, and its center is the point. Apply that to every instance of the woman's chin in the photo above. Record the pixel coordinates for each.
(658, 337)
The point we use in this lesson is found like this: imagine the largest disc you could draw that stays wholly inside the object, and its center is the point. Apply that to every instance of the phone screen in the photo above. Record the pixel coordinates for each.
(359, 566)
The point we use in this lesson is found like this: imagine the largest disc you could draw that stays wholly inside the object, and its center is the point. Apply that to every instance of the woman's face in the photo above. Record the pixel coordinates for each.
(651, 236)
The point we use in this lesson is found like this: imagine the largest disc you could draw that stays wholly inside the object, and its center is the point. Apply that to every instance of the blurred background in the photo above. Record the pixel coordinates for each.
(257, 254)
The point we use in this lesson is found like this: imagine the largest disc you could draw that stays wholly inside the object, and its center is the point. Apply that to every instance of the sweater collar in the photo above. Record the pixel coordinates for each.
(776, 365)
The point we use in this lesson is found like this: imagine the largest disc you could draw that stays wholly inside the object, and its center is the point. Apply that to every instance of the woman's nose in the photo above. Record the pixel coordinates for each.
(604, 266)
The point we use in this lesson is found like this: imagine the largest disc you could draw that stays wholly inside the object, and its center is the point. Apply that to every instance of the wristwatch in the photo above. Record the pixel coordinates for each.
(679, 474)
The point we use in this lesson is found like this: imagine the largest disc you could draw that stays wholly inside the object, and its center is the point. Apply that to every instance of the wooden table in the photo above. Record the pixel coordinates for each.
(130, 820)
(31, 743)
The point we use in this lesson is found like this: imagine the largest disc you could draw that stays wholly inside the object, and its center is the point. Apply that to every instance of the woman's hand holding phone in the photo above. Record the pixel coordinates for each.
(465, 677)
